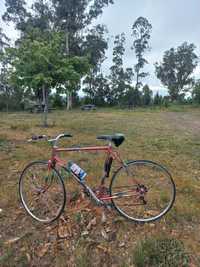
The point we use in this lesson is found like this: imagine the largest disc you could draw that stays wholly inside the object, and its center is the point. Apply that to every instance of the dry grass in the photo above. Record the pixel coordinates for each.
(168, 137)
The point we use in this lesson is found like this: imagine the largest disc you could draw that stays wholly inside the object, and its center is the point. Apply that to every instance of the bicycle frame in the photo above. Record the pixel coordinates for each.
(111, 154)
(129, 184)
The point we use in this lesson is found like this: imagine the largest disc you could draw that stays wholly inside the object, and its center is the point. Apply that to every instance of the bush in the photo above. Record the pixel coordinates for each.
(160, 252)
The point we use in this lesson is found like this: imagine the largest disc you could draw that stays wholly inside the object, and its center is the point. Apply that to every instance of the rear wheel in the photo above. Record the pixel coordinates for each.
(143, 191)
(42, 192)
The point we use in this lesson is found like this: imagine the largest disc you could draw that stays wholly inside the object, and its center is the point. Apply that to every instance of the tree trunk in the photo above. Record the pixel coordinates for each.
(7, 101)
(137, 80)
(69, 100)
(45, 105)
(69, 97)
(67, 42)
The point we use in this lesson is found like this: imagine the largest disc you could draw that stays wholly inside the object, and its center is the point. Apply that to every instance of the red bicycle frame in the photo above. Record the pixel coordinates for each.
(111, 153)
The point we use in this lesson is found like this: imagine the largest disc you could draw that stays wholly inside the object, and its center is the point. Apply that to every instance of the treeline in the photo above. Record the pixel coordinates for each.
(59, 52)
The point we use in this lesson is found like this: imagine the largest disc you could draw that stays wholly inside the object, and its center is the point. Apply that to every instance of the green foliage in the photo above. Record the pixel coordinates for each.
(58, 56)
(147, 96)
(176, 69)
(161, 252)
(98, 90)
(3, 41)
(157, 101)
(132, 97)
(196, 93)
(120, 79)
(141, 33)
(40, 62)
(10, 96)
(73, 16)
(95, 46)
(16, 12)
(57, 100)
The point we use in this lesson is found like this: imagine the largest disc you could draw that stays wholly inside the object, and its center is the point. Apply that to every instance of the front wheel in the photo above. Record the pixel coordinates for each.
(42, 192)
(142, 191)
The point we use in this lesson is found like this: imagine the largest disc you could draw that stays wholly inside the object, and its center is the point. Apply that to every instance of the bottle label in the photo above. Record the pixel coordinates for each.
(78, 171)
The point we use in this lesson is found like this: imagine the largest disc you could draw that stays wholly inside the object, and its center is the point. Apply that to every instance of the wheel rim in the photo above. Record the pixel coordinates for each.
(42, 192)
(145, 194)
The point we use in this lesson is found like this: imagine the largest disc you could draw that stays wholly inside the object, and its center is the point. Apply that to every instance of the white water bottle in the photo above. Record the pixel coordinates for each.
(76, 170)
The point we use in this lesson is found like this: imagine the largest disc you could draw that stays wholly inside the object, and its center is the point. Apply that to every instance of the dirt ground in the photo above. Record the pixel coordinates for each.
(87, 235)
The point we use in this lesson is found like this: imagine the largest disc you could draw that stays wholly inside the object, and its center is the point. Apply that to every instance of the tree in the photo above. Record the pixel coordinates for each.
(147, 95)
(57, 100)
(70, 17)
(157, 101)
(176, 69)
(120, 78)
(196, 93)
(100, 95)
(141, 30)
(4, 41)
(39, 64)
(16, 12)
(132, 97)
(95, 46)
(5, 89)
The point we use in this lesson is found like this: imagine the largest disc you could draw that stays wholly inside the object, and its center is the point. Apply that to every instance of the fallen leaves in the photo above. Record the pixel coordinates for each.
(104, 249)
(84, 233)
(28, 257)
(16, 239)
(104, 234)
(93, 222)
(64, 231)
(42, 250)
(12, 240)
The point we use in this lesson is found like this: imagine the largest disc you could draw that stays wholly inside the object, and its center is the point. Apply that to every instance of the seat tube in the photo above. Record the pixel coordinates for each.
(107, 165)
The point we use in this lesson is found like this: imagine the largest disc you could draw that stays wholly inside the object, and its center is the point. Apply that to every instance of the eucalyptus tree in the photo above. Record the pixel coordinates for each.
(73, 17)
(196, 92)
(4, 41)
(70, 17)
(158, 99)
(175, 70)
(95, 46)
(147, 95)
(120, 78)
(141, 32)
(5, 89)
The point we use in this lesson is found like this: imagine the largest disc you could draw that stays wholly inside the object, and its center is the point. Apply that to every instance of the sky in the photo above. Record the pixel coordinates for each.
(173, 22)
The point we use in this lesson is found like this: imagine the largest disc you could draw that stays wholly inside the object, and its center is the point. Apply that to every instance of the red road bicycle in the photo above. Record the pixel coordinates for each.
(140, 190)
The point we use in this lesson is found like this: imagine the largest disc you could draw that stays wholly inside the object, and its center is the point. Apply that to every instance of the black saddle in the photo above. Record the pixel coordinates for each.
(117, 139)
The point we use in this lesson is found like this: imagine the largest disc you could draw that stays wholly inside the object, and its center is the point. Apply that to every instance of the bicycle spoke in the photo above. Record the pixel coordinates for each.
(42, 192)
(147, 200)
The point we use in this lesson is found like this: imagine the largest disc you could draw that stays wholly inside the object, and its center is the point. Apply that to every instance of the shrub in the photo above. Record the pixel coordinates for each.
(160, 252)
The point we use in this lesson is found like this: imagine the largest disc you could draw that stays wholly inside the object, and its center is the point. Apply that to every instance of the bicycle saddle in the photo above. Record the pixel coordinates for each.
(117, 139)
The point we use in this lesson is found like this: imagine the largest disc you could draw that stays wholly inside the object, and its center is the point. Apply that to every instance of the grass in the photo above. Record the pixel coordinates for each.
(170, 137)
(160, 252)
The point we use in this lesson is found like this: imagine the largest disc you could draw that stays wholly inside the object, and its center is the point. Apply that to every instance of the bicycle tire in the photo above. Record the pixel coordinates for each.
(116, 201)
(36, 188)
